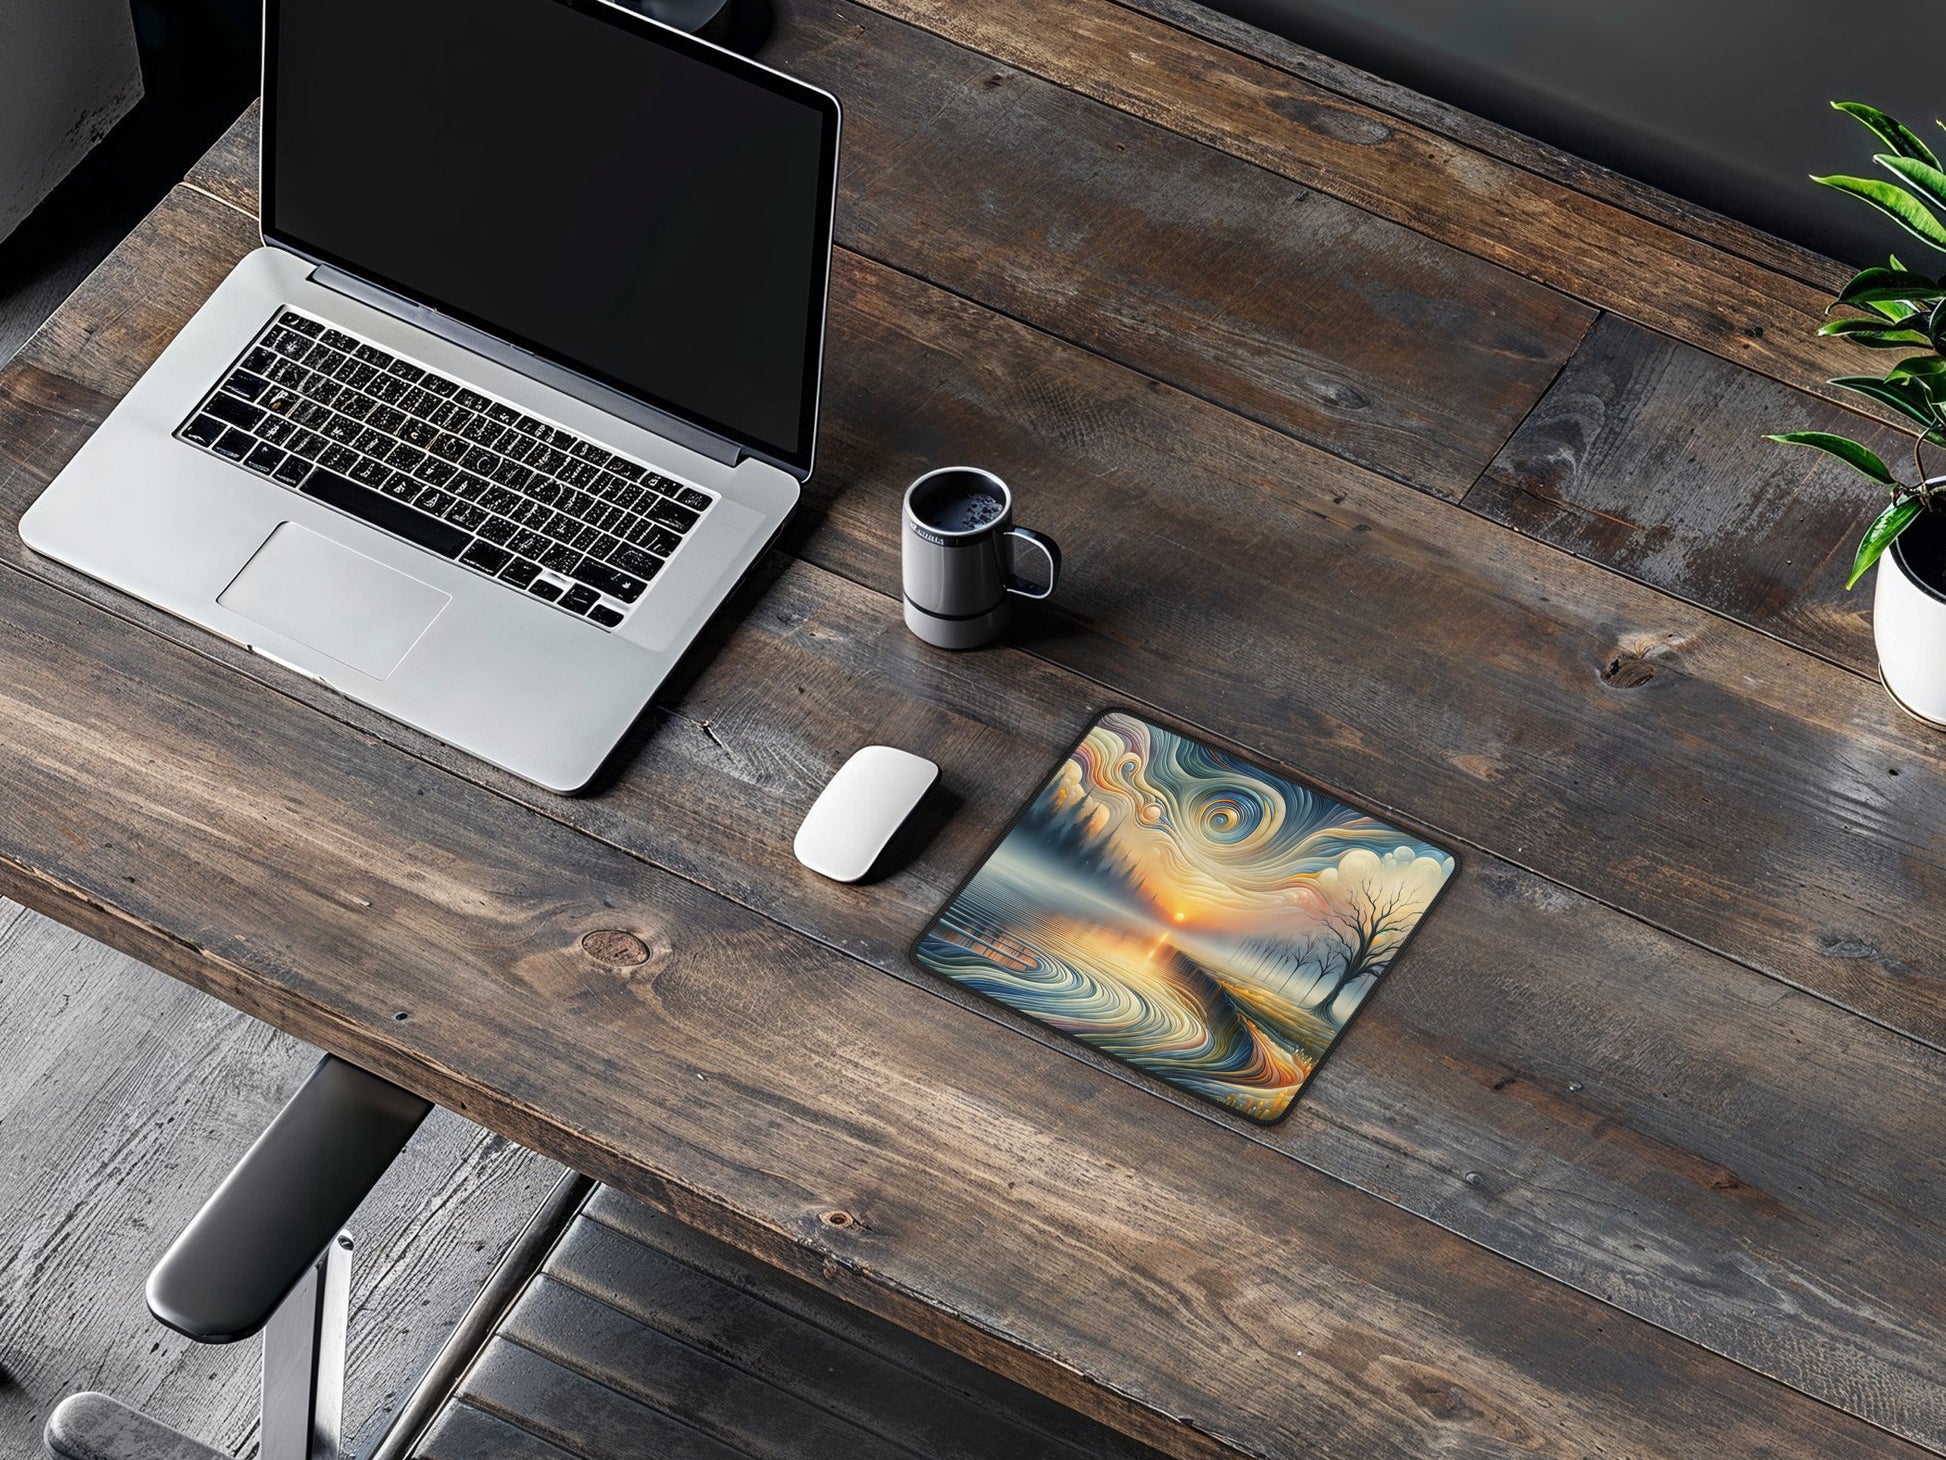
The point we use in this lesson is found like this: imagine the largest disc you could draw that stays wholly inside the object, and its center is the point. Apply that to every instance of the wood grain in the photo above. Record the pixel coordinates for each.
(1503, 1149)
(755, 1083)
(1647, 457)
(1584, 246)
(1542, 698)
(124, 1098)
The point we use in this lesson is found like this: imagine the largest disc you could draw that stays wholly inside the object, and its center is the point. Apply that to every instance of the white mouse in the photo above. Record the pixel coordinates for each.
(866, 802)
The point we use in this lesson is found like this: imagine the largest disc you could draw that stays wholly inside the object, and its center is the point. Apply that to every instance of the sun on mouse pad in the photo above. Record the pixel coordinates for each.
(1212, 922)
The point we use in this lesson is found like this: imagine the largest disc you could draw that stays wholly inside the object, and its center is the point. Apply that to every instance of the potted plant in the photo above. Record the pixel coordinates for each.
(1896, 308)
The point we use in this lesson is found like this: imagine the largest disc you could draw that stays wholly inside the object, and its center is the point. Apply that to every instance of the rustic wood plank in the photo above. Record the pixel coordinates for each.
(465, 1433)
(756, 1083)
(1477, 134)
(1476, 727)
(1586, 247)
(807, 680)
(1647, 456)
(124, 1098)
(1296, 309)
(798, 1338)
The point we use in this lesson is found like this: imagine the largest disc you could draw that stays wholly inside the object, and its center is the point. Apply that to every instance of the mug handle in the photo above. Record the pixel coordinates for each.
(1049, 549)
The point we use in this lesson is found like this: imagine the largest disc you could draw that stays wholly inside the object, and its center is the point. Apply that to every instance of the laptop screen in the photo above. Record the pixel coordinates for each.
(616, 197)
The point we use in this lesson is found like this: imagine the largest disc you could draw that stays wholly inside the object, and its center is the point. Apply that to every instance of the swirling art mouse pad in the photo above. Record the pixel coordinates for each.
(1212, 922)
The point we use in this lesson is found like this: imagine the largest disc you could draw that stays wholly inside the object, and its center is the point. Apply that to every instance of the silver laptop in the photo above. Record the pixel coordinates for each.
(522, 382)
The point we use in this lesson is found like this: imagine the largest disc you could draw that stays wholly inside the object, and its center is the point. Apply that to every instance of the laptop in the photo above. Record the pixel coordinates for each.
(521, 383)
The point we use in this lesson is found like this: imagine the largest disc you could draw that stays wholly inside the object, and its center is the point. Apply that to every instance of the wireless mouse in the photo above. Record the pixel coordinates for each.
(866, 802)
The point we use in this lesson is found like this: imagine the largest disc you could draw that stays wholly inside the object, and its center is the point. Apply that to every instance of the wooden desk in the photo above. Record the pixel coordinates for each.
(1382, 443)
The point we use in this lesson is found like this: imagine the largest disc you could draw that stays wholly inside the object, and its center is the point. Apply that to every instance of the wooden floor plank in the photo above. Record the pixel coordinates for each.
(1588, 248)
(799, 1338)
(1647, 457)
(465, 1433)
(784, 1084)
(822, 667)
(124, 1098)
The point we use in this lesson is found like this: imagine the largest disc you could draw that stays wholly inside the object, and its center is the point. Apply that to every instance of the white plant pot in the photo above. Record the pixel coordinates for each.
(1909, 620)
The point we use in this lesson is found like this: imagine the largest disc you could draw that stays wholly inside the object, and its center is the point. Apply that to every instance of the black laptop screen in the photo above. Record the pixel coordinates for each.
(618, 198)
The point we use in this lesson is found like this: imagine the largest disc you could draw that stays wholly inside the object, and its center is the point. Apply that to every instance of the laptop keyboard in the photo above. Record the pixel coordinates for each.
(471, 478)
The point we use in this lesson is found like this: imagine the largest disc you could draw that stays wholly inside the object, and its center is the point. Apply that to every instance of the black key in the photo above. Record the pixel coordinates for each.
(506, 415)
(292, 472)
(310, 413)
(469, 515)
(356, 405)
(386, 419)
(371, 473)
(259, 360)
(694, 500)
(629, 495)
(323, 357)
(340, 430)
(338, 340)
(432, 500)
(546, 459)
(486, 557)
(555, 436)
(559, 525)
(634, 560)
(372, 355)
(450, 415)
(670, 514)
(513, 474)
(323, 391)
(439, 385)
(469, 487)
(588, 451)
(479, 459)
(529, 544)
(234, 444)
(602, 614)
(245, 384)
(608, 518)
(277, 431)
(419, 433)
(627, 470)
(235, 412)
(481, 432)
(517, 447)
(265, 459)
(520, 572)
(562, 560)
(405, 457)
(472, 400)
(658, 540)
(545, 489)
(418, 402)
(499, 499)
(531, 426)
(387, 388)
(434, 472)
(287, 342)
(409, 373)
(585, 536)
(203, 430)
(605, 579)
(401, 488)
(338, 458)
(308, 445)
(448, 447)
(354, 373)
(576, 504)
(578, 599)
(580, 473)
(307, 327)
(498, 529)
(281, 400)
(287, 372)
(543, 589)
(381, 511)
(372, 443)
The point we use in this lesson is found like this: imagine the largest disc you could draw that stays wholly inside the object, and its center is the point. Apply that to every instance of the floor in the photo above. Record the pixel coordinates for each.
(124, 1097)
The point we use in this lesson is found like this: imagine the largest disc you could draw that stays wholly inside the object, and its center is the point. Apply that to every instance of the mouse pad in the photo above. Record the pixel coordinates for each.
(1212, 922)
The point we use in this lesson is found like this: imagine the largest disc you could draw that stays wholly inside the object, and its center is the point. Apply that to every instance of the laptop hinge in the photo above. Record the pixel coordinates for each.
(568, 382)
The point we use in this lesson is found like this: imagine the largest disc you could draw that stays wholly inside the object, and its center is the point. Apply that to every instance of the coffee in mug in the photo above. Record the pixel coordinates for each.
(959, 552)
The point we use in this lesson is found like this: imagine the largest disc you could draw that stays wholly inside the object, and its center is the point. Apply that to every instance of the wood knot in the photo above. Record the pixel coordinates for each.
(838, 1219)
(613, 946)
(1633, 663)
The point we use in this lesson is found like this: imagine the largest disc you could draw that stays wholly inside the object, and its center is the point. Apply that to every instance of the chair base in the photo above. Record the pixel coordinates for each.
(96, 1427)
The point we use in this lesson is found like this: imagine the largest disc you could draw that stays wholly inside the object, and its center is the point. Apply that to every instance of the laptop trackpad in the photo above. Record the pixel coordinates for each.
(322, 595)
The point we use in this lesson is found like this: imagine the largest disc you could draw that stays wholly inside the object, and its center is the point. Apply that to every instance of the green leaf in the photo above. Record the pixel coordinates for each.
(1889, 130)
(1878, 537)
(1857, 457)
(1924, 178)
(1889, 286)
(1925, 368)
(1936, 325)
(1895, 202)
(1876, 334)
(1903, 396)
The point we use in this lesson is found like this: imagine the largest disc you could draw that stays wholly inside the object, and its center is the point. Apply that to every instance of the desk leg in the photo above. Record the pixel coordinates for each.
(304, 1362)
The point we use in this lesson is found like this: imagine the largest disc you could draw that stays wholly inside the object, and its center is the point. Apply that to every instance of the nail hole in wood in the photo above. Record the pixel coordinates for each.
(838, 1219)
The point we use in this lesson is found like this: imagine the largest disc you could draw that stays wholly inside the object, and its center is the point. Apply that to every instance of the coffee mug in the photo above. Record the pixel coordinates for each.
(959, 556)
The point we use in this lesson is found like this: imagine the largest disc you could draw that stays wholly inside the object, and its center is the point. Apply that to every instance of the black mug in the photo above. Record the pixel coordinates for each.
(959, 546)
